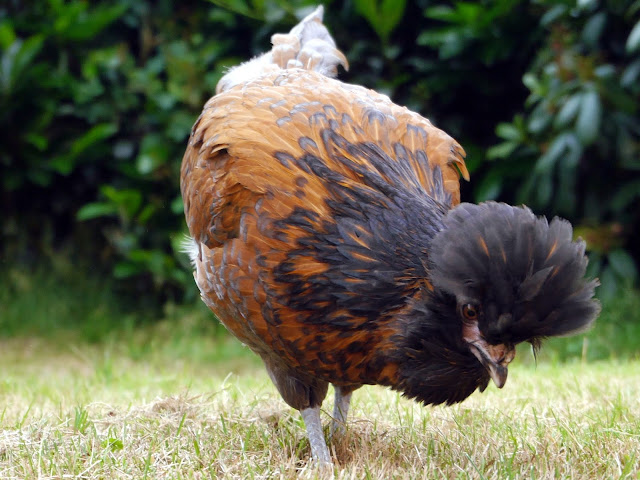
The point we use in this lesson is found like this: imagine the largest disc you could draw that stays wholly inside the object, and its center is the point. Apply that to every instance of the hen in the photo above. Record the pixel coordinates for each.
(327, 235)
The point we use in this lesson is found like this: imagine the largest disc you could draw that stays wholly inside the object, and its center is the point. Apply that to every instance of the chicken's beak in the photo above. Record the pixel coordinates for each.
(495, 358)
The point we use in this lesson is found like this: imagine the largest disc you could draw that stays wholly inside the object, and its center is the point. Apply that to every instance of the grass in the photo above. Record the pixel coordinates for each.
(113, 411)
(178, 399)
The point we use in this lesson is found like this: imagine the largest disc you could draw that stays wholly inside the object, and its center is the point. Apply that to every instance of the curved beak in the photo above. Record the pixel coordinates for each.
(495, 358)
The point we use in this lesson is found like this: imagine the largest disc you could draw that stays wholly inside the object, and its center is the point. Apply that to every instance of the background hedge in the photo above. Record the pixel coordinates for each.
(97, 100)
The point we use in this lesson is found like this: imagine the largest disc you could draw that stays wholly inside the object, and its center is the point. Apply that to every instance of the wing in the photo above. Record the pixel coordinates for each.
(269, 164)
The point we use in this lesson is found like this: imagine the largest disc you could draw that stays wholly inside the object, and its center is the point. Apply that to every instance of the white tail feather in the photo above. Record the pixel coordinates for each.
(189, 246)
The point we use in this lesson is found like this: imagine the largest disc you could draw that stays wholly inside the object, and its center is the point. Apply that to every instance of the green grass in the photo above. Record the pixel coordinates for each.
(97, 411)
(91, 390)
(59, 298)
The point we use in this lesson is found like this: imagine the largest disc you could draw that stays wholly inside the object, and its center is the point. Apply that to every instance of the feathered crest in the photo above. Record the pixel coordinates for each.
(527, 274)
(308, 45)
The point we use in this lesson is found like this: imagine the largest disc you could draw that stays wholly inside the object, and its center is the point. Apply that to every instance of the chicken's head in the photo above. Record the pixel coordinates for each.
(511, 277)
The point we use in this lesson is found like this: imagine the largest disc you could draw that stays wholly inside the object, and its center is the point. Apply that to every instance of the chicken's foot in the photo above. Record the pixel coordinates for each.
(319, 449)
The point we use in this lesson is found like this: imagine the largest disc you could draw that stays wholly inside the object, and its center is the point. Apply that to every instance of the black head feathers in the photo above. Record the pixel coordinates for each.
(526, 275)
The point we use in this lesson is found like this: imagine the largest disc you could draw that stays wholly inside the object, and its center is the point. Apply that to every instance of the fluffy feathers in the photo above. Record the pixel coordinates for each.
(327, 236)
(527, 273)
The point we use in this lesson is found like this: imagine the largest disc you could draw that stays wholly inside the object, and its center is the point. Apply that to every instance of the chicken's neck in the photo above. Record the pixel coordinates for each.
(417, 346)
(373, 255)
(432, 362)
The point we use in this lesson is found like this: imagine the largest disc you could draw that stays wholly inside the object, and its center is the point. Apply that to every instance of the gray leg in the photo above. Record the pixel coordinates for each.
(340, 409)
(319, 449)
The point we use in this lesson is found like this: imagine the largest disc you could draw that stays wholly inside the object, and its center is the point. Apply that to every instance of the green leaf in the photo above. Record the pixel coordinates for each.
(552, 15)
(16, 60)
(7, 35)
(525, 193)
(153, 260)
(588, 122)
(37, 140)
(574, 151)
(565, 146)
(429, 38)
(531, 81)
(126, 269)
(605, 71)
(153, 153)
(631, 74)
(63, 164)
(568, 111)
(539, 119)
(586, 4)
(593, 29)
(392, 11)
(469, 12)
(441, 12)
(95, 210)
(508, 132)
(127, 200)
(548, 160)
(113, 444)
(382, 15)
(565, 187)
(95, 135)
(452, 46)
(502, 150)
(633, 41)
(79, 24)
(367, 8)
(146, 213)
(177, 205)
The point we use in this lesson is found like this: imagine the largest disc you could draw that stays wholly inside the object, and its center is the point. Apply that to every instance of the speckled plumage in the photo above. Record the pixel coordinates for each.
(328, 237)
(313, 220)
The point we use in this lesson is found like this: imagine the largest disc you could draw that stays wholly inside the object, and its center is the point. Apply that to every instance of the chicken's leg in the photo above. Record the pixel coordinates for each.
(340, 409)
(319, 449)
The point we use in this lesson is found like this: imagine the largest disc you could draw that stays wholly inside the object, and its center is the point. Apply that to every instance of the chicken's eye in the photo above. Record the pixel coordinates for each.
(470, 312)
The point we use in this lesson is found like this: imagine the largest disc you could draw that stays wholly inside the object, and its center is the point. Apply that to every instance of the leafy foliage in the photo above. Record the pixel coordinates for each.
(383, 16)
(97, 103)
(97, 100)
(579, 137)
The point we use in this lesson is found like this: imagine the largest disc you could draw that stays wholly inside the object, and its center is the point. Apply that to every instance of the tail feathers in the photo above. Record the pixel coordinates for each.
(308, 45)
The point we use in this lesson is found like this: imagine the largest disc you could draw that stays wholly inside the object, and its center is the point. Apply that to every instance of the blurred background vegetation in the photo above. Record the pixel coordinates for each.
(97, 99)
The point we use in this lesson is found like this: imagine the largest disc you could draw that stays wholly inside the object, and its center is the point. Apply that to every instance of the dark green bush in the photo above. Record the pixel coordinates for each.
(575, 149)
(97, 100)
(97, 103)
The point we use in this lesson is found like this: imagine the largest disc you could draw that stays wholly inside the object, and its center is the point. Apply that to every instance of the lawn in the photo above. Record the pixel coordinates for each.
(162, 405)
(91, 391)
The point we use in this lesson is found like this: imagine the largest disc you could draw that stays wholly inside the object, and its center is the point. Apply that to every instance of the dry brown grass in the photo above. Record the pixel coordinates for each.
(101, 413)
